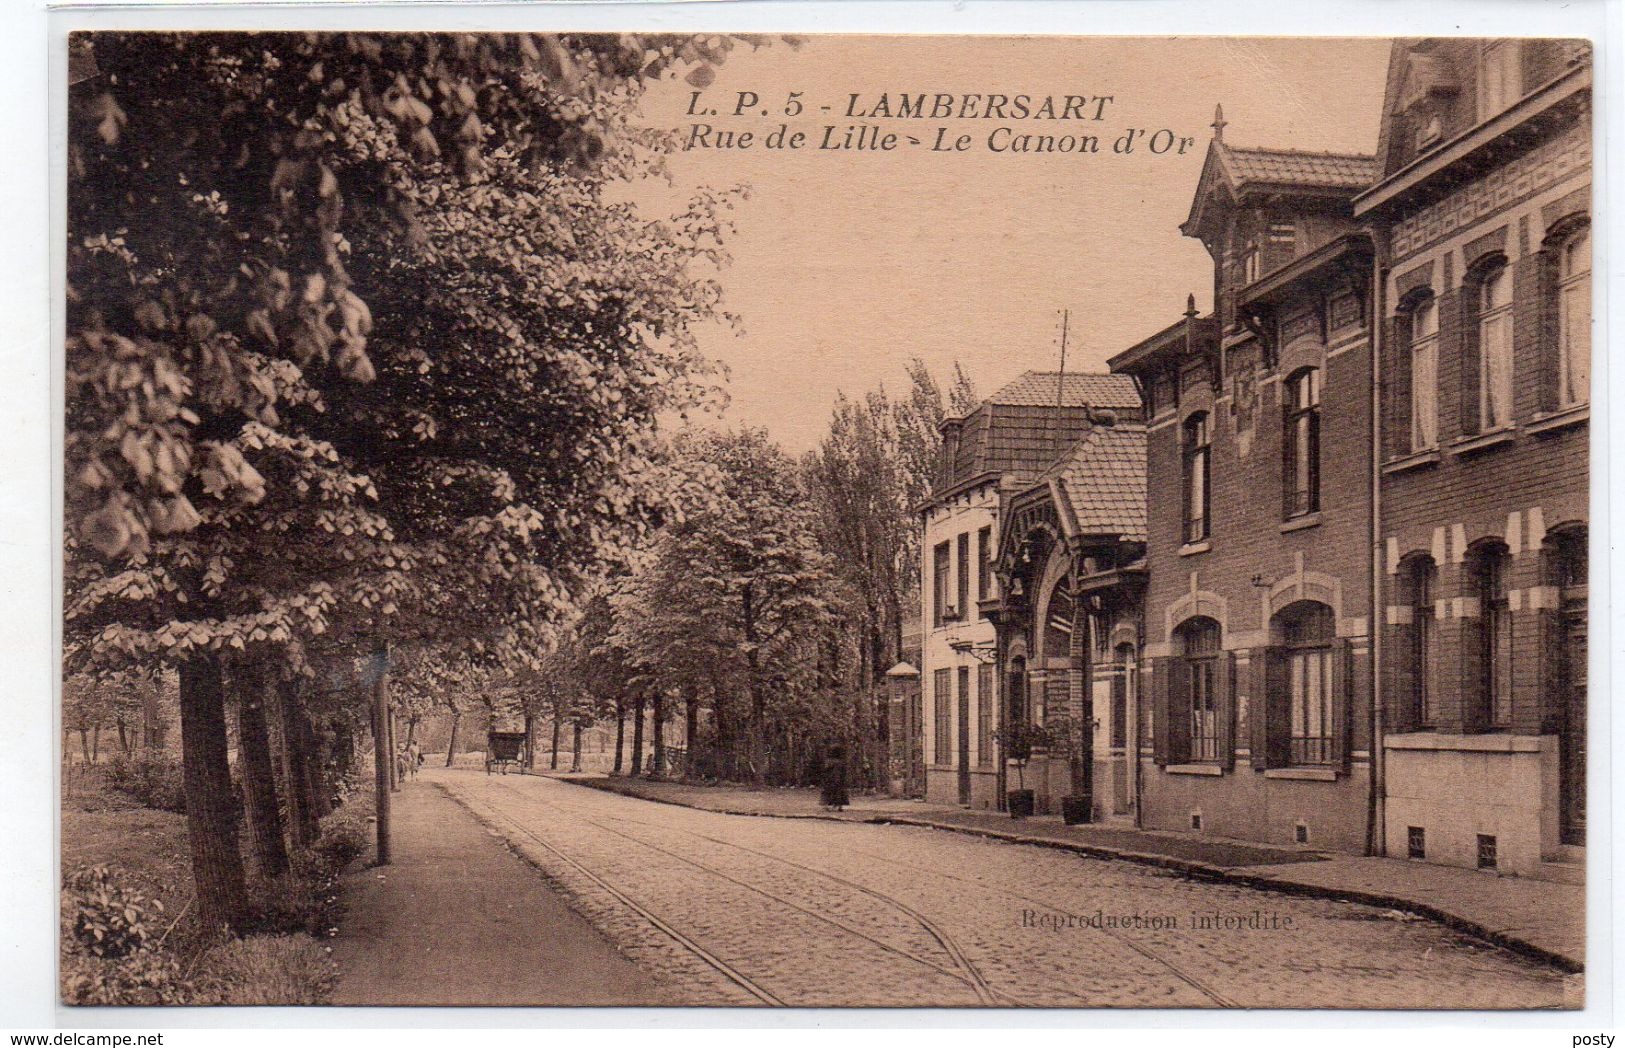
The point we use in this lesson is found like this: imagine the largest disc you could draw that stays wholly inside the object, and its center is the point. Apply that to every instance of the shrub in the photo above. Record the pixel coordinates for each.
(266, 970)
(145, 977)
(343, 838)
(106, 918)
(150, 776)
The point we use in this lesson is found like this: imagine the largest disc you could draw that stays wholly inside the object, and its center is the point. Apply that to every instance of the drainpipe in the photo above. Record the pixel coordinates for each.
(1376, 828)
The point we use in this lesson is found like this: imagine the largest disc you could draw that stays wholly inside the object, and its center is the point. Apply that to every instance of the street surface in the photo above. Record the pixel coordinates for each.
(737, 910)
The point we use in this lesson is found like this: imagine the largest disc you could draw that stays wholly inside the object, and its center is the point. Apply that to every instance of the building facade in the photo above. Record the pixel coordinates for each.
(1483, 206)
(1257, 658)
(1006, 443)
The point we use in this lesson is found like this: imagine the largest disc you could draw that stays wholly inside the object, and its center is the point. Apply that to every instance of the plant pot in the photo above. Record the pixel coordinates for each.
(1020, 803)
(1076, 810)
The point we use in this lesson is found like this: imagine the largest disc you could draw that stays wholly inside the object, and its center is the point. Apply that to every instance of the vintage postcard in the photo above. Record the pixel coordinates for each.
(825, 521)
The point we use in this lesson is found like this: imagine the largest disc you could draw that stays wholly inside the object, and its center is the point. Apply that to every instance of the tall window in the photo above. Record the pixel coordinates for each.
(1199, 642)
(1500, 81)
(942, 706)
(1574, 319)
(984, 565)
(939, 583)
(1197, 456)
(984, 715)
(1495, 348)
(1306, 632)
(963, 577)
(1249, 264)
(1302, 443)
(1425, 374)
(1121, 694)
(1423, 581)
(1489, 575)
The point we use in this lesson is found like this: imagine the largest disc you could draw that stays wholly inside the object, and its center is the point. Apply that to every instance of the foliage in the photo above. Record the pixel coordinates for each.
(343, 838)
(266, 970)
(106, 918)
(143, 978)
(152, 777)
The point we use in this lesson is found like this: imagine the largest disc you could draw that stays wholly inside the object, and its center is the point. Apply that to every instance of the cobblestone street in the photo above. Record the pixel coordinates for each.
(734, 910)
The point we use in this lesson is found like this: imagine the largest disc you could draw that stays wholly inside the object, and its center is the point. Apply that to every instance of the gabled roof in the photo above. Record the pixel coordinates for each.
(1239, 171)
(1039, 389)
(1099, 483)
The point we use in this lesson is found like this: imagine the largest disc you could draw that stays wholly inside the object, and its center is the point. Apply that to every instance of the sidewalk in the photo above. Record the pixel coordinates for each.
(456, 919)
(1541, 919)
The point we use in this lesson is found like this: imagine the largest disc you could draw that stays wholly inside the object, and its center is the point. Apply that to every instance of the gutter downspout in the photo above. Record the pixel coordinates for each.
(1376, 814)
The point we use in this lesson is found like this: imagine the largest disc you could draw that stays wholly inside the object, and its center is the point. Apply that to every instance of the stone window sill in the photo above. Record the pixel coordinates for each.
(1563, 419)
(1487, 743)
(1417, 460)
(1192, 548)
(1194, 769)
(1307, 520)
(1302, 774)
(1483, 442)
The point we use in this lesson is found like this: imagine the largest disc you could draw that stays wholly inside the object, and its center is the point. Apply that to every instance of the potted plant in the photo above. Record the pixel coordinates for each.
(1078, 806)
(1019, 740)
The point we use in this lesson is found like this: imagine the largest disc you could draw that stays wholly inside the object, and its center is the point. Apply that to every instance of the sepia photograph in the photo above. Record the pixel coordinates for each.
(723, 520)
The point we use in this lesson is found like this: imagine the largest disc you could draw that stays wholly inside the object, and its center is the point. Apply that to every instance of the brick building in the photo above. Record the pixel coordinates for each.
(1483, 208)
(1257, 697)
(1005, 444)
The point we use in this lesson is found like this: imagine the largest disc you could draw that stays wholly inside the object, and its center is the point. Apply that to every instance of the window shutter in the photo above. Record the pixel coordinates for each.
(1278, 711)
(1226, 683)
(1399, 674)
(1258, 706)
(1161, 671)
(1465, 317)
(1554, 670)
(1342, 685)
(1179, 711)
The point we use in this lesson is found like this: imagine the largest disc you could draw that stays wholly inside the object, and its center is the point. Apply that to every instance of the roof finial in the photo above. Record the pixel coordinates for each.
(1190, 306)
(1218, 123)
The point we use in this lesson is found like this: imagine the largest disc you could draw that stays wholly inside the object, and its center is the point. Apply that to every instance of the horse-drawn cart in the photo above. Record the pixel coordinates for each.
(504, 749)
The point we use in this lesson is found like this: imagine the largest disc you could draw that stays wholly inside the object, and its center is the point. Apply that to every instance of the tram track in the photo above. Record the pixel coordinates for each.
(1140, 948)
(710, 959)
(965, 971)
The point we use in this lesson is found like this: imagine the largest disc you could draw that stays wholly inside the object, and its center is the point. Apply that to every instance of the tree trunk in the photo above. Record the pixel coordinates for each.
(691, 730)
(151, 737)
(575, 755)
(296, 771)
(96, 743)
(530, 741)
(383, 760)
(620, 733)
(84, 743)
(123, 735)
(451, 743)
(259, 783)
(211, 810)
(657, 767)
(411, 730)
(394, 750)
(637, 736)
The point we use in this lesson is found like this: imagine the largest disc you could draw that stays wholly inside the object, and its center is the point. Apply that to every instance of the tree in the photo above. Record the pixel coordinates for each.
(353, 332)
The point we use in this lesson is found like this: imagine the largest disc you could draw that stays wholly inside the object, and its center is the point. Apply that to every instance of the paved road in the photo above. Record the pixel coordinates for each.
(458, 919)
(735, 910)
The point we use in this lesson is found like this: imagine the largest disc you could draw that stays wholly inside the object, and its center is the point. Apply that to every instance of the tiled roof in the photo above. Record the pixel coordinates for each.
(1102, 479)
(1298, 168)
(1037, 389)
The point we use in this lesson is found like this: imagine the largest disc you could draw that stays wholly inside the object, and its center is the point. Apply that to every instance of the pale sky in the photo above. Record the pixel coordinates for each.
(848, 263)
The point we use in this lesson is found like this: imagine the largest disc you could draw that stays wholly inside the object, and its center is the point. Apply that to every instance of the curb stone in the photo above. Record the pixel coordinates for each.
(1186, 867)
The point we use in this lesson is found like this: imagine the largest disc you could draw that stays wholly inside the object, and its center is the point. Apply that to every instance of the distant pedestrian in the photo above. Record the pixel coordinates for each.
(834, 795)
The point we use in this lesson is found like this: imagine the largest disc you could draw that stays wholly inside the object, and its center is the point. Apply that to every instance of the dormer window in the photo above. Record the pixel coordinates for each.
(1428, 132)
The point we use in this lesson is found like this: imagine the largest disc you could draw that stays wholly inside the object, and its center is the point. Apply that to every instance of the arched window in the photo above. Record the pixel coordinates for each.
(1421, 581)
(1198, 702)
(1574, 319)
(1487, 571)
(1304, 686)
(1197, 463)
(1494, 294)
(1301, 446)
(1424, 353)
